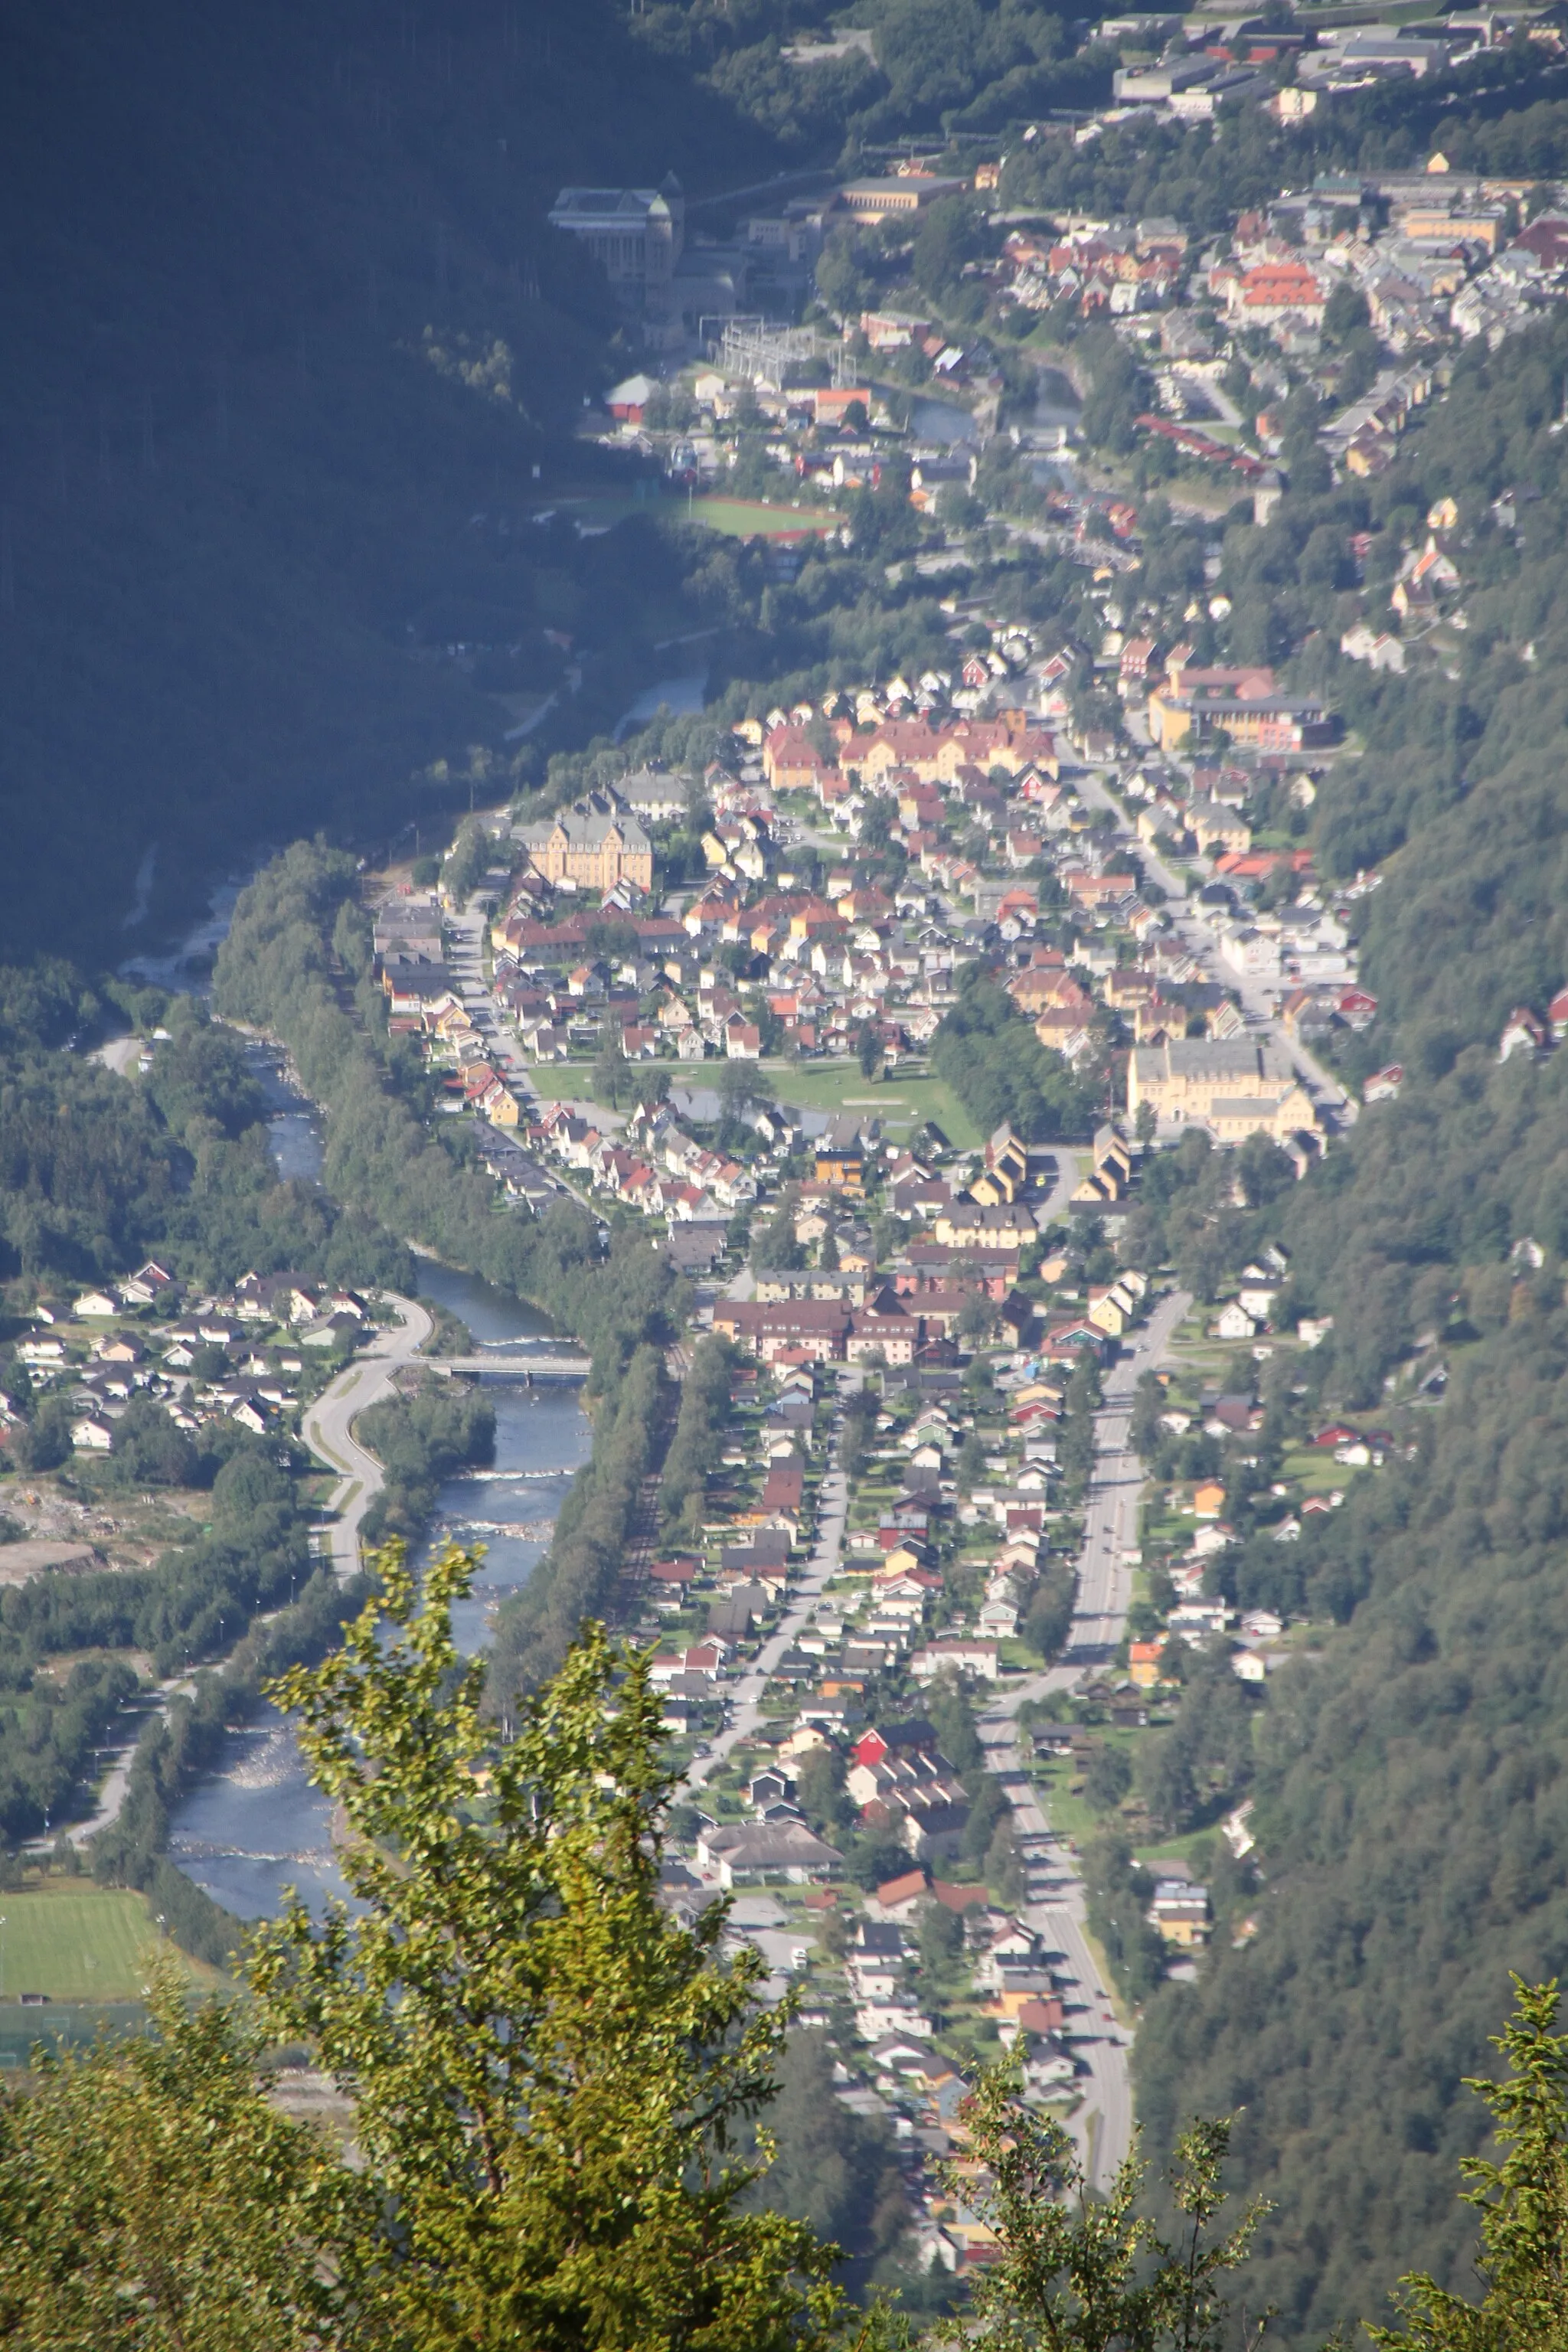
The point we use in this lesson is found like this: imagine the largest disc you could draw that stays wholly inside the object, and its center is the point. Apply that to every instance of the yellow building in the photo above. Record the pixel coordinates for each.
(594, 844)
(1236, 1086)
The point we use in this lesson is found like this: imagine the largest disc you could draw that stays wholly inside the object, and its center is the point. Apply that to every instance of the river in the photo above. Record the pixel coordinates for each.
(941, 420)
(256, 1826)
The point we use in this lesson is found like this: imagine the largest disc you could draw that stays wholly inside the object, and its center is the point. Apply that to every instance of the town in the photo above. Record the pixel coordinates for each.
(943, 1027)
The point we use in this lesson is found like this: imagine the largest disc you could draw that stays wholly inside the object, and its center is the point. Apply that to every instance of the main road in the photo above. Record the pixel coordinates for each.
(328, 1424)
(1056, 1905)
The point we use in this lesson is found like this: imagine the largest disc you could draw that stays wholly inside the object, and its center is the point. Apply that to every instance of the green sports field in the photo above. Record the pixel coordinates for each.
(737, 517)
(901, 1104)
(77, 1942)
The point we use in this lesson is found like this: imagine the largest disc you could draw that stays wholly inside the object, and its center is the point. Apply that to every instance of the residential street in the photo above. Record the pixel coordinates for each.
(328, 1431)
(822, 1566)
(468, 973)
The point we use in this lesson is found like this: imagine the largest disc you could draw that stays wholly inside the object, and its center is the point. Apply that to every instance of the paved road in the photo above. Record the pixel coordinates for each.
(128, 1727)
(467, 931)
(1055, 1904)
(746, 1708)
(1196, 930)
(327, 1425)
(1057, 1202)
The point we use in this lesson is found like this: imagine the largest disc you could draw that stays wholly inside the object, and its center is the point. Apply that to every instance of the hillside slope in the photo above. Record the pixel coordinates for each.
(235, 492)
(1412, 1784)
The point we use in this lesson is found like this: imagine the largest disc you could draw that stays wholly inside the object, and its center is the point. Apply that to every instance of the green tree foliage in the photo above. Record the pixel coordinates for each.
(1410, 1835)
(155, 2201)
(1107, 1776)
(1119, 1894)
(945, 241)
(988, 1053)
(773, 1243)
(465, 864)
(1203, 1764)
(1482, 114)
(860, 1424)
(1118, 393)
(831, 2169)
(1407, 1801)
(694, 1448)
(1047, 1619)
(199, 1081)
(1522, 2202)
(742, 1086)
(275, 470)
(545, 2066)
(253, 1551)
(420, 1441)
(1077, 2273)
(613, 1078)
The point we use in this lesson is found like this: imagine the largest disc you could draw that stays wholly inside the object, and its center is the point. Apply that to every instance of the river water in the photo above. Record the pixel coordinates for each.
(256, 1826)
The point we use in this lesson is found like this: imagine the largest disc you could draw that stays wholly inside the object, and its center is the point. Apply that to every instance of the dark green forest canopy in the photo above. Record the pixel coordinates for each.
(1408, 1779)
(996, 1065)
(238, 494)
(291, 335)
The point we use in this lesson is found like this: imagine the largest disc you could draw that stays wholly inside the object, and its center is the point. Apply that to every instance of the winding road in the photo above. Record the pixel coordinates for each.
(327, 1425)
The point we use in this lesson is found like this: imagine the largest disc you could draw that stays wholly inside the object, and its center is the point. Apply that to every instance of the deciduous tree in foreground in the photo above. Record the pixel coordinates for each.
(1522, 2201)
(545, 2066)
(548, 2074)
(1078, 2274)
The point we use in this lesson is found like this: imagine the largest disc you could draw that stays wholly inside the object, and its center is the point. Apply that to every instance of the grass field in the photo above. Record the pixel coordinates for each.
(901, 1103)
(77, 1942)
(736, 518)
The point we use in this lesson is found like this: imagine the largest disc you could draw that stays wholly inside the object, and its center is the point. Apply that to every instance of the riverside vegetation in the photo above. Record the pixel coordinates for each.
(296, 961)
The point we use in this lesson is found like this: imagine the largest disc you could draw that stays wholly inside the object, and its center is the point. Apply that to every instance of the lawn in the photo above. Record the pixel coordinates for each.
(77, 1942)
(901, 1103)
(562, 1081)
(736, 518)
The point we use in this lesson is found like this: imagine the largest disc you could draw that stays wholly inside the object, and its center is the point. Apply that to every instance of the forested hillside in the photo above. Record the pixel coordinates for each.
(237, 473)
(1410, 1810)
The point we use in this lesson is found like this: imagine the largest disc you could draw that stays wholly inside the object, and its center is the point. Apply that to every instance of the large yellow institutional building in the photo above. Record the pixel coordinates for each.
(1236, 1086)
(593, 843)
